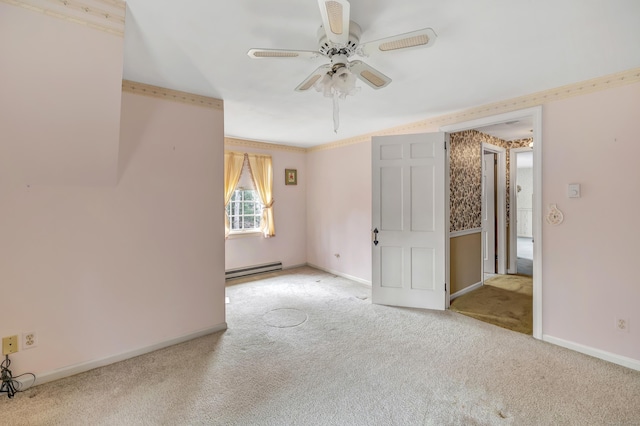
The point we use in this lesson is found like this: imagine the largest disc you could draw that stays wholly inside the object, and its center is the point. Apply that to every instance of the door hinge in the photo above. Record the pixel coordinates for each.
(445, 286)
(445, 145)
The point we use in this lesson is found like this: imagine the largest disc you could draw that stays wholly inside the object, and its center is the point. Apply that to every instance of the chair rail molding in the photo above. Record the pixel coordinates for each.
(464, 232)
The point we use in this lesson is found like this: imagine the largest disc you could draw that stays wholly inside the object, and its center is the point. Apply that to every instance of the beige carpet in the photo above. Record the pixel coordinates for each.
(307, 348)
(504, 300)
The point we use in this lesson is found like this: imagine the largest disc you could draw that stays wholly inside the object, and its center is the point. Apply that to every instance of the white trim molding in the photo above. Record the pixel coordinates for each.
(634, 364)
(467, 290)
(340, 274)
(72, 370)
(262, 145)
(523, 102)
(171, 95)
(102, 15)
(455, 234)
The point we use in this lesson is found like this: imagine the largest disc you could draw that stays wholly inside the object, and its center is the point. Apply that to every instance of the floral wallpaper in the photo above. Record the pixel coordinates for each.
(465, 173)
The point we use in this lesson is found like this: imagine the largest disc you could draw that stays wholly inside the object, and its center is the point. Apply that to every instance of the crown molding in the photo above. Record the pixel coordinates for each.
(262, 145)
(103, 15)
(539, 98)
(171, 95)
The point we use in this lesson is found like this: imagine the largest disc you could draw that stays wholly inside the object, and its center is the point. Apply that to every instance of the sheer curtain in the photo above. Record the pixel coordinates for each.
(232, 169)
(262, 173)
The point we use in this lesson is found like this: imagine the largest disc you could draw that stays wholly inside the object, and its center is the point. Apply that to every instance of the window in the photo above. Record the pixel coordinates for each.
(245, 211)
(248, 194)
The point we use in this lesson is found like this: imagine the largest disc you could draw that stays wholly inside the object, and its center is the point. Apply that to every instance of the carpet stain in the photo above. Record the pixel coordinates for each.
(285, 317)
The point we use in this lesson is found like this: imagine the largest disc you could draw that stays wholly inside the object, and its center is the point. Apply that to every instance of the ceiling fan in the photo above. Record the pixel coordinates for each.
(338, 40)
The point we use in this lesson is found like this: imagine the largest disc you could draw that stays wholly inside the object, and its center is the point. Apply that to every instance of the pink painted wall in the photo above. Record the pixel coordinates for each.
(59, 100)
(101, 255)
(290, 210)
(339, 210)
(99, 271)
(589, 268)
(590, 273)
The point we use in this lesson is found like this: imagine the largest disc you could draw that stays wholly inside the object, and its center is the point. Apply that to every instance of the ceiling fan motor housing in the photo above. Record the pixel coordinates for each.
(329, 49)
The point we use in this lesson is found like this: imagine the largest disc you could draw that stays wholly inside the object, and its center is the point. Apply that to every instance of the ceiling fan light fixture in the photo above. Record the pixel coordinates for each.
(343, 82)
(324, 85)
(335, 15)
(404, 43)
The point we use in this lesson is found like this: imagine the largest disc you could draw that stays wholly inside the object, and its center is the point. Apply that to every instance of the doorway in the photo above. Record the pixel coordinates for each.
(493, 210)
(532, 116)
(522, 196)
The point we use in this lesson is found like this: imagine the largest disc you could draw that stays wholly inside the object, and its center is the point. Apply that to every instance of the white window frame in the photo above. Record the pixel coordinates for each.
(236, 233)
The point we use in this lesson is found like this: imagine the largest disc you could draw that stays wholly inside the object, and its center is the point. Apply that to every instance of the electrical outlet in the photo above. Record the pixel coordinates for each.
(29, 340)
(622, 325)
(9, 345)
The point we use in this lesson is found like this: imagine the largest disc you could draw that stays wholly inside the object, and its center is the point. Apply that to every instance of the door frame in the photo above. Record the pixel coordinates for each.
(513, 218)
(501, 204)
(535, 113)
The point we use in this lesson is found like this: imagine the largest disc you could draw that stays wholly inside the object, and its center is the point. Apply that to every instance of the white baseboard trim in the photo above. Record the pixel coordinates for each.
(340, 274)
(634, 364)
(466, 290)
(72, 370)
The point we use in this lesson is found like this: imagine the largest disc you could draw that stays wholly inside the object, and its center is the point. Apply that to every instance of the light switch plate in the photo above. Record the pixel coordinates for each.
(574, 190)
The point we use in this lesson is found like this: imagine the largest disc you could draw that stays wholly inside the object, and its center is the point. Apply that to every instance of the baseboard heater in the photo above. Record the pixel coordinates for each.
(253, 270)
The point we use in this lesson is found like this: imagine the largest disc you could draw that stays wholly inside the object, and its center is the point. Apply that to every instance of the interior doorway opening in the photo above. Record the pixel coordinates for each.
(487, 130)
(493, 208)
(522, 196)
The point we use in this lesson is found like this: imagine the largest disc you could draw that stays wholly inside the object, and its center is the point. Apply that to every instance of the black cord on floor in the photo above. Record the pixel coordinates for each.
(10, 384)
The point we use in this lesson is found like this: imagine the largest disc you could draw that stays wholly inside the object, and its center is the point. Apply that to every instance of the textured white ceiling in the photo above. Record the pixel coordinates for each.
(486, 51)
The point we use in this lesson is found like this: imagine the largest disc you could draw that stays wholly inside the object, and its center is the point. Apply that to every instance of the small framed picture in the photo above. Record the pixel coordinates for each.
(290, 176)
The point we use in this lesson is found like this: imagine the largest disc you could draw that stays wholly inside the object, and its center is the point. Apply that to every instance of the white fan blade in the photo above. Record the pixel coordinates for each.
(335, 20)
(280, 53)
(415, 39)
(369, 75)
(315, 76)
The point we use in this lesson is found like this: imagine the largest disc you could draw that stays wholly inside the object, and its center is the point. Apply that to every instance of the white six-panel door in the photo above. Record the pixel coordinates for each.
(409, 217)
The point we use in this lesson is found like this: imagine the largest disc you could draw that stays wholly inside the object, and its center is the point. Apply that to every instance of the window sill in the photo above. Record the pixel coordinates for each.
(244, 234)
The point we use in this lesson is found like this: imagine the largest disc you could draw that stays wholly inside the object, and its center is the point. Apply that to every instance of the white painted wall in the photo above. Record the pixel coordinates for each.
(290, 210)
(590, 275)
(339, 210)
(109, 257)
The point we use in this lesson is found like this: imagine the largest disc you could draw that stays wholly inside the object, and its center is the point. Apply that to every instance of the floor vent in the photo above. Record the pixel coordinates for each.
(253, 270)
